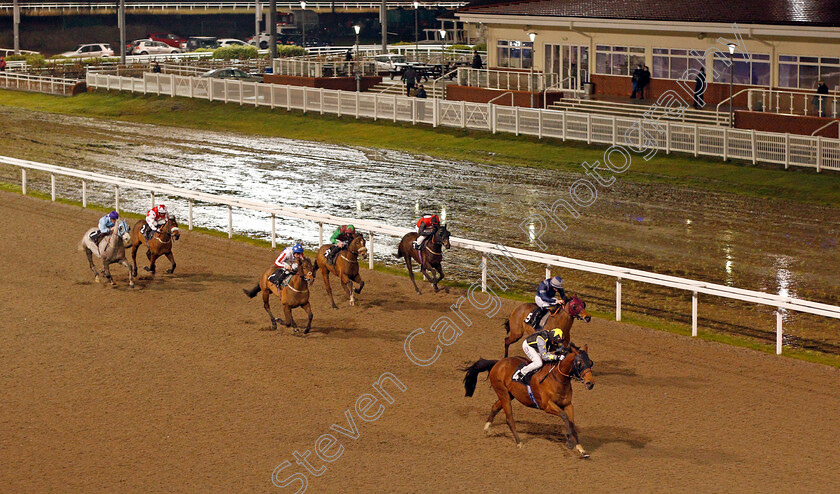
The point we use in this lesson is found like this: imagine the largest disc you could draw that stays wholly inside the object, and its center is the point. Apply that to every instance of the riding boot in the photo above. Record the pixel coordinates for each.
(535, 317)
(96, 237)
(277, 277)
(331, 254)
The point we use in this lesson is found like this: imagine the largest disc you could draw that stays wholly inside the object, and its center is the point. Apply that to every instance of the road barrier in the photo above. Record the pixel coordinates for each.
(484, 248)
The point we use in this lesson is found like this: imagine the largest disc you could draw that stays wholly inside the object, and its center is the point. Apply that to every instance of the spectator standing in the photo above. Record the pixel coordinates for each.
(410, 78)
(421, 106)
(700, 89)
(637, 75)
(476, 61)
(156, 68)
(349, 55)
(821, 101)
(2, 64)
(644, 80)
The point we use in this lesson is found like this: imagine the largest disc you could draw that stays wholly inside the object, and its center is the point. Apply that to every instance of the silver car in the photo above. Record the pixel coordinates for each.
(90, 51)
(149, 47)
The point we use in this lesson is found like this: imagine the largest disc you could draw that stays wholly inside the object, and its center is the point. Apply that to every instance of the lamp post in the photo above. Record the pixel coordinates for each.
(358, 28)
(303, 24)
(416, 38)
(533, 36)
(731, 66)
(442, 33)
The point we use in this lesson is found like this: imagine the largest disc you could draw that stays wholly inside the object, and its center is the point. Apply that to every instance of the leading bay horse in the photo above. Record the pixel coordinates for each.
(346, 267)
(159, 245)
(294, 294)
(429, 257)
(111, 249)
(551, 387)
(558, 317)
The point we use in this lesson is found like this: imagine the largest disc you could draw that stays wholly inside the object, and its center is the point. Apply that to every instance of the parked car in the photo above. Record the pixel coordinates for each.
(196, 42)
(170, 39)
(287, 36)
(90, 51)
(232, 42)
(388, 62)
(149, 47)
(231, 73)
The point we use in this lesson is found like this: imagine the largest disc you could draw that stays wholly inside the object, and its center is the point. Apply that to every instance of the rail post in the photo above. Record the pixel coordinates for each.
(23, 181)
(787, 150)
(152, 196)
(547, 271)
(752, 144)
(779, 331)
(320, 234)
(84, 194)
(273, 232)
(230, 221)
(618, 299)
(694, 314)
(819, 153)
(483, 273)
(370, 252)
(52, 186)
(117, 198)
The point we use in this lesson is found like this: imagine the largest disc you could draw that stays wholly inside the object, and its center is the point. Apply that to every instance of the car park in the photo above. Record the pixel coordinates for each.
(170, 39)
(93, 50)
(149, 47)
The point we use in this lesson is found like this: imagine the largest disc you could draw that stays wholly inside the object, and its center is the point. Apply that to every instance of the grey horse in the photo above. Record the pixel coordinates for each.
(111, 250)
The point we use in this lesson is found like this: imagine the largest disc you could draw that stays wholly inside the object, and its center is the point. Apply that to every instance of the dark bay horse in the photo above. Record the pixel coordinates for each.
(159, 245)
(346, 267)
(429, 257)
(551, 386)
(111, 249)
(294, 294)
(558, 317)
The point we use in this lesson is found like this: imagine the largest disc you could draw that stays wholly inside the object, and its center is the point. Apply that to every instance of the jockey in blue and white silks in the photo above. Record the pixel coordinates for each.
(106, 226)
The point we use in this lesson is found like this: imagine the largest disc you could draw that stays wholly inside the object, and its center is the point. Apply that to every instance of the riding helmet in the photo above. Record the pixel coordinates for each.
(557, 282)
(556, 334)
(297, 249)
(113, 215)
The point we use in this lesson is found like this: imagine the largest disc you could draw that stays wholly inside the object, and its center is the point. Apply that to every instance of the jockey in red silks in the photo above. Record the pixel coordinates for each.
(156, 218)
(426, 226)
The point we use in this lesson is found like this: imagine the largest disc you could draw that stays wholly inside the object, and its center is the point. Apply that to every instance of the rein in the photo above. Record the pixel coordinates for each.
(290, 287)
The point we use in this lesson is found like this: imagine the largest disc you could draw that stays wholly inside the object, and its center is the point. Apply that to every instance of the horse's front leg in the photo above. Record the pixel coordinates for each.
(172, 260)
(106, 269)
(290, 321)
(134, 257)
(439, 270)
(348, 289)
(358, 279)
(152, 260)
(125, 263)
(570, 412)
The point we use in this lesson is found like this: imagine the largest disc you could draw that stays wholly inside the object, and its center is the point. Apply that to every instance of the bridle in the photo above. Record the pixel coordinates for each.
(353, 251)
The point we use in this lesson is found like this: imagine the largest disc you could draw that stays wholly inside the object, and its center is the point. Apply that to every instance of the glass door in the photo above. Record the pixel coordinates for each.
(570, 63)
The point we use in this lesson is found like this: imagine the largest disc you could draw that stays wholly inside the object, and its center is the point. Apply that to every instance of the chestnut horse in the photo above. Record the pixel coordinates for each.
(346, 267)
(558, 317)
(294, 294)
(428, 258)
(551, 387)
(159, 245)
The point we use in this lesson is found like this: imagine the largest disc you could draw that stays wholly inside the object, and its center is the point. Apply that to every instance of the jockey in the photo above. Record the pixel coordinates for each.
(540, 348)
(106, 226)
(156, 218)
(549, 292)
(425, 227)
(287, 263)
(340, 238)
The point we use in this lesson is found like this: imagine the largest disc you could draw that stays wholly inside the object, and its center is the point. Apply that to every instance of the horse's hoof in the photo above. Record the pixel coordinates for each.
(96, 279)
(335, 306)
(487, 428)
(584, 456)
(131, 284)
(519, 445)
(306, 331)
(169, 271)
(352, 303)
(146, 268)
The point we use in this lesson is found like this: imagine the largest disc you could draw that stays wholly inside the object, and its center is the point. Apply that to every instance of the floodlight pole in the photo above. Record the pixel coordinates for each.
(533, 36)
(731, 71)
(272, 30)
(358, 28)
(303, 24)
(16, 26)
(416, 35)
(121, 24)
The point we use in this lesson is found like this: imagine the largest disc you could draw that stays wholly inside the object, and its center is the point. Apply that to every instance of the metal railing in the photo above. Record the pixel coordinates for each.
(219, 4)
(794, 102)
(506, 79)
(644, 134)
(484, 248)
(300, 67)
(829, 124)
(36, 83)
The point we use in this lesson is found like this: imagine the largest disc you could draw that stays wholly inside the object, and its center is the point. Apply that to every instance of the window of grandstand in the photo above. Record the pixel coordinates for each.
(618, 60)
(672, 63)
(749, 69)
(515, 54)
(805, 72)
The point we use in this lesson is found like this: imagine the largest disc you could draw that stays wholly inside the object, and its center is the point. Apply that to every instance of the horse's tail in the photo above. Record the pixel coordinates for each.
(507, 326)
(81, 245)
(252, 292)
(400, 253)
(472, 372)
(315, 266)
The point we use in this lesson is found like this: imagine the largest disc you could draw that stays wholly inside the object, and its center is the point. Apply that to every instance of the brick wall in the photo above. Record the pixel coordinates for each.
(794, 124)
(343, 83)
(613, 85)
(483, 95)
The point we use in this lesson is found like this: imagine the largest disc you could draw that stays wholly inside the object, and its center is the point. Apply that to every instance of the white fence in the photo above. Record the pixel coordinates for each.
(700, 140)
(794, 102)
(36, 83)
(547, 260)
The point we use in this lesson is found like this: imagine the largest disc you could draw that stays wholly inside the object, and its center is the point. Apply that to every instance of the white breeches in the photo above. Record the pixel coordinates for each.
(536, 360)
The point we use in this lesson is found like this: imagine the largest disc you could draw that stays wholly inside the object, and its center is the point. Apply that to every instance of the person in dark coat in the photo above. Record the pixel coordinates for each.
(476, 61)
(156, 68)
(410, 78)
(820, 102)
(637, 75)
(644, 80)
(348, 56)
(421, 92)
(700, 89)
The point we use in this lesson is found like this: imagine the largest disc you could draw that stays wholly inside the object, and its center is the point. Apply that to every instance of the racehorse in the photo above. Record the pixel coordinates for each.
(111, 249)
(294, 294)
(558, 317)
(429, 257)
(551, 387)
(159, 245)
(346, 267)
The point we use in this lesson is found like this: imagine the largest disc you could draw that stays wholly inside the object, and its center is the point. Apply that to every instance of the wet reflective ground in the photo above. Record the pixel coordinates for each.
(760, 244)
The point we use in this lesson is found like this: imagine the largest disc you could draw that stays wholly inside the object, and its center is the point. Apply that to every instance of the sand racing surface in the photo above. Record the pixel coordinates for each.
(174, 386)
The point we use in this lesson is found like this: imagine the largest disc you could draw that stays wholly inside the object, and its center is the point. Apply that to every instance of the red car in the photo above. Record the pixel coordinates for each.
(170, 39)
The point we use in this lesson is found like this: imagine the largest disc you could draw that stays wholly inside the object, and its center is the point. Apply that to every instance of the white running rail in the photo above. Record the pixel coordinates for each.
(485, 248)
